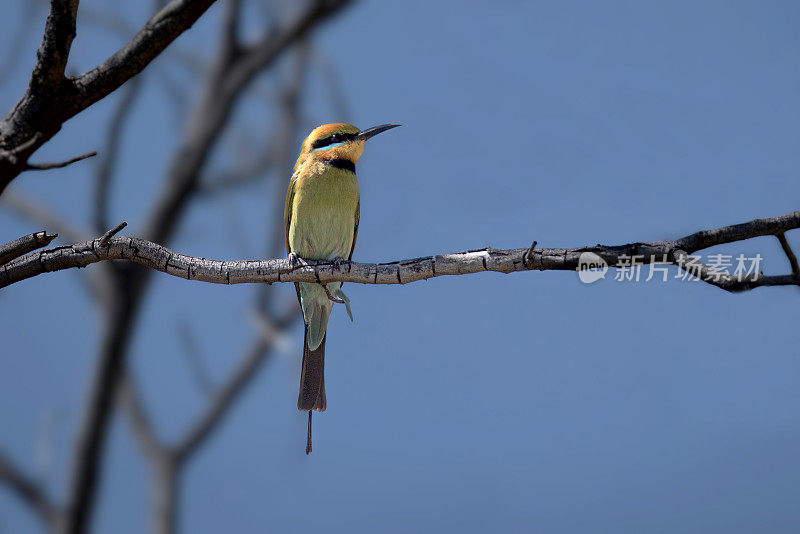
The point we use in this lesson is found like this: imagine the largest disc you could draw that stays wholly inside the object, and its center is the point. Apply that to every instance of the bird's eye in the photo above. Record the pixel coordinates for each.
(331, 140)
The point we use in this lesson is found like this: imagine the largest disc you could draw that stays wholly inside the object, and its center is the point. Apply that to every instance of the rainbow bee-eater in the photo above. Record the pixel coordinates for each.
(321, 223)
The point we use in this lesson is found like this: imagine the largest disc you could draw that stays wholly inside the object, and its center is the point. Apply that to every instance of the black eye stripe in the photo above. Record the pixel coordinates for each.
(331, 139)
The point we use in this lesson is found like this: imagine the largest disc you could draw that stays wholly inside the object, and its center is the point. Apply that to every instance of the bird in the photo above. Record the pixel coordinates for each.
(321, 219)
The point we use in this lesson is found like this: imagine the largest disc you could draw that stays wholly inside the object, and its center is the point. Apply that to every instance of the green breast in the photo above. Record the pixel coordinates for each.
(324, 214)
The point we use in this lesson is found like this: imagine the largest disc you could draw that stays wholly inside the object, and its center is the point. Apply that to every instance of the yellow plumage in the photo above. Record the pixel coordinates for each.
(321, 223)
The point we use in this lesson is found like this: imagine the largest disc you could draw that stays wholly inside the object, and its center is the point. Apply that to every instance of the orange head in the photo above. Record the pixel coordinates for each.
(337, 142)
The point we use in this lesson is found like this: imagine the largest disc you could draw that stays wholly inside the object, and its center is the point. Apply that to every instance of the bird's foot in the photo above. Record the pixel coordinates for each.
(337, 262)
(295, 261)
(331, 297)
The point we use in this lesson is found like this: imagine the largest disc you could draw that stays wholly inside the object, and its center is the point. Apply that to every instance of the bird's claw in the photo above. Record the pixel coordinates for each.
(331, 297)
(294, 261)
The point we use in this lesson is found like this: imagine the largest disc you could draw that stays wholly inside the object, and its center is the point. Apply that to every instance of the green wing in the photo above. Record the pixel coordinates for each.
(287, 210)
(287, 222)
(355, 230)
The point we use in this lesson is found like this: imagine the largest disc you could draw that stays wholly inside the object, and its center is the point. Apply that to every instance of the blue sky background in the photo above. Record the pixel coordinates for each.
(517, 403)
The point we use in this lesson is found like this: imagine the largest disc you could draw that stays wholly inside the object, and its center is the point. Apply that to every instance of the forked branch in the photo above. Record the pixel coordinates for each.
(28, 490)
(160, 258)
(52, 98)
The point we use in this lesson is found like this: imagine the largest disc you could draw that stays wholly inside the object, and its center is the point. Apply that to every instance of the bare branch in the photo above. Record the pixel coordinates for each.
(111, 233)
(230, 28)
(221, 401)
(59, 31)
(208, 120)
(789, 253)
(40, 114)
(27, 490)
(13, 154)
(51, 98)
(162, 461)
(229, 78)
(163, 28)
(97, 282)
(59, 165)
(283, 144)
(91, 436)
(160, 258)
(115, 24)
(263, 52)
(728, 282)
(23, 245)
(168, 462)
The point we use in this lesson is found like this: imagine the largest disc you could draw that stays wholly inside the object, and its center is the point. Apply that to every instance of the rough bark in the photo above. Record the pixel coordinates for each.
(159, 258)
(53, 98)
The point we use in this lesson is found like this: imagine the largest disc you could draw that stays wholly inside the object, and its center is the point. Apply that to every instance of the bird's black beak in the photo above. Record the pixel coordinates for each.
(375, 130)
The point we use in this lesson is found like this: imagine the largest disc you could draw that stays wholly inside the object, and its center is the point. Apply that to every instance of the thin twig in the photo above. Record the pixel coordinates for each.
(529, 255)
(59, 165)
(28, 490)
(787, 249)
(23, 245)
(111, 233)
